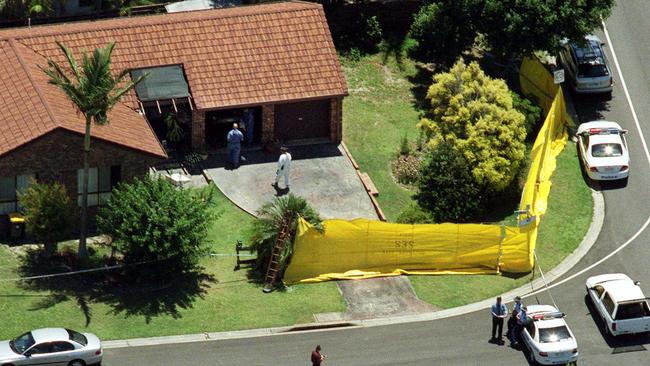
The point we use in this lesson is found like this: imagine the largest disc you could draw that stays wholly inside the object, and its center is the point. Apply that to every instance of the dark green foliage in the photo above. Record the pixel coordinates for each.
(443, 30)
(404, 146)
(414, 214)
(513, 28)
(151, 220)
(174, 130)
(447, 189)
(265, 230)
(365, 36)
(49, 213)
(530, 110)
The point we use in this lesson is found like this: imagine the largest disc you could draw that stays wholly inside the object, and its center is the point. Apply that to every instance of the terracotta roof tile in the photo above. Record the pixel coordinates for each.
(31, 107)
(226, 53)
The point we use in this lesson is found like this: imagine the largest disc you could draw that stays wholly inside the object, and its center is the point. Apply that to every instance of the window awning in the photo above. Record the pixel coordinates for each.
(163, 83)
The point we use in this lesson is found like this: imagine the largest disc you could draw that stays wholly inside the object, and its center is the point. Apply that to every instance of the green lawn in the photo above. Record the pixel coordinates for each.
(382, 108)
(228, 302)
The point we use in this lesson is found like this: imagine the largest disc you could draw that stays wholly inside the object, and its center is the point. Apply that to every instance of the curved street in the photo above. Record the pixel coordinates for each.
(463, 340)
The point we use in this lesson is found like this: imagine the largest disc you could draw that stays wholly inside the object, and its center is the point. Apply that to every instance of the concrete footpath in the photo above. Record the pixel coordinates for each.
(524, 291)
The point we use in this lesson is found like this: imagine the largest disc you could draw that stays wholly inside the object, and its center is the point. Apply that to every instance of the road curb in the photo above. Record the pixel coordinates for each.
(562, 268)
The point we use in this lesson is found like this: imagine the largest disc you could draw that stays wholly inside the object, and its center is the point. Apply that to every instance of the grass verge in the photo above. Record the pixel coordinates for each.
(229, 302)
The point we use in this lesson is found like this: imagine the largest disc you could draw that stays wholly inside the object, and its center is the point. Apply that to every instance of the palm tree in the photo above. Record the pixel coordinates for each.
(94, 91)
(271, 216)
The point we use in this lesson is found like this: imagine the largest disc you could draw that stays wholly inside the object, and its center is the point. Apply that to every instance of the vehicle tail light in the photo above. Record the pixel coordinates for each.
(614, 327)
(593, 169)
(98, 352)
(543, 354)
(575, 350)
(623, 167)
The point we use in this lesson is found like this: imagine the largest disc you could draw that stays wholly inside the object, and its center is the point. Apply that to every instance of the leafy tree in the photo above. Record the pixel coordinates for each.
(49, 213)
(475, 114)
(94, 90)
(515, 28)
(447, 189)
(266, 229)
(151, 219)
(443, 30)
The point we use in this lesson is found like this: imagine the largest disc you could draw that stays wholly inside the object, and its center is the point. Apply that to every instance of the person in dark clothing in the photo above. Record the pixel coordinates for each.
(499, 311)
(316, 357)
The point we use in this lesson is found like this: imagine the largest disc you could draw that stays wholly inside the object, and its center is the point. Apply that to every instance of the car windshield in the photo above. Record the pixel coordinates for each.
(77, 337)
(556, 334)
(22, 343)
(606, 150)
(592, 71)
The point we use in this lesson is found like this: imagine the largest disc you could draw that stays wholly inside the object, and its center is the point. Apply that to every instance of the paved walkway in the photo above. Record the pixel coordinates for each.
(322, 174)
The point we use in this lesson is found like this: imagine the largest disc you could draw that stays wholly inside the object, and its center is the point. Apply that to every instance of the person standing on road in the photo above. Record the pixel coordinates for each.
(234, 138)
(284, 164)
(499, 312)
(316, 357)
(512, 321)
(522, 319)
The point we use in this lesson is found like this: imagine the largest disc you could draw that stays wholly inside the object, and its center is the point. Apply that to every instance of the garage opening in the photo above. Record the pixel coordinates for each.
(302, 120)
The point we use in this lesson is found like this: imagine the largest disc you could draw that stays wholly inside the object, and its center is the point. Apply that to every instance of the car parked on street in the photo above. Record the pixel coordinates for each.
(52, 347)
(586, 66)
(620, 303)
(548, 337)
(603, 150)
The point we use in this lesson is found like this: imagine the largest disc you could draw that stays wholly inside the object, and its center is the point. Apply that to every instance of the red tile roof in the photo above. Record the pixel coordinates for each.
(232, 57)
(31, 107)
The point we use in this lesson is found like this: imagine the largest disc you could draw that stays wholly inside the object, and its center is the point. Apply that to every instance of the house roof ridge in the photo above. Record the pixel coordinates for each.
(37, 88)
(156, 19)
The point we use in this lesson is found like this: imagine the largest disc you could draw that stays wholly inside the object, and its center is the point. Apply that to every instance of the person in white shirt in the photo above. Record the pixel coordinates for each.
(284, 164)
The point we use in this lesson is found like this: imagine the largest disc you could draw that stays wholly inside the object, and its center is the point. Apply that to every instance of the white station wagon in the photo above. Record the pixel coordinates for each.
(620, 303)
(52, 347)
(548, 337)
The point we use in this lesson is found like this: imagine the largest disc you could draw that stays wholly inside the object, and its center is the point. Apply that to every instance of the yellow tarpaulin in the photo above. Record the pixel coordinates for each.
(363, 248)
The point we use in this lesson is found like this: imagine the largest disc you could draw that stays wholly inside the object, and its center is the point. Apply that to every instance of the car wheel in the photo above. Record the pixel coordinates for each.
(77, 363)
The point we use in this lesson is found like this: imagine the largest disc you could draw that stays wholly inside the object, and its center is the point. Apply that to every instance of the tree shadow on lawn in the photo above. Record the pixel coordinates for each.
(118, 288)
(421, 81)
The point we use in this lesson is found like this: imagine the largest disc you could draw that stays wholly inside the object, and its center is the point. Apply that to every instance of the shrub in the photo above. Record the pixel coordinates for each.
(49, 213)
(475, 114)
(265, 230)
(404, 147)
(530, 110)
(446, 188)
(407, 169)
(151, 220)
(414, 214)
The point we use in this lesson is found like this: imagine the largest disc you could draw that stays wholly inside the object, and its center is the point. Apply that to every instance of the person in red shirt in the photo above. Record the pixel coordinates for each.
(316, 357)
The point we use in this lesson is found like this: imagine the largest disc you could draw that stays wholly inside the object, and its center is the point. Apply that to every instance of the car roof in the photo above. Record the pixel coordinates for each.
(50, 334)
(605, 139)
(623, 290)
(544, 309)
(599, 124)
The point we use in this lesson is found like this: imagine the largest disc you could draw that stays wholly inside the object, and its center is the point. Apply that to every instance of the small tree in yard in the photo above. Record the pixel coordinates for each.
(446, 188)
(475, 114)
(151, 220)
(49, 214)
(266, 229)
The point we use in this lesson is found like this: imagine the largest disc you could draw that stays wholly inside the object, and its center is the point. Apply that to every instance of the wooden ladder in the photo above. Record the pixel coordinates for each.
(274, 262)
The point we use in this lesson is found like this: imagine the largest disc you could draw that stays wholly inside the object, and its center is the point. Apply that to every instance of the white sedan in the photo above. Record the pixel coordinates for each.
(52, 347)
(548, 337)
(603, 149)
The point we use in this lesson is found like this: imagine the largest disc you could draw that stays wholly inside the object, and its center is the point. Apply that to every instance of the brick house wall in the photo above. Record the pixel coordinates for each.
(56, 156)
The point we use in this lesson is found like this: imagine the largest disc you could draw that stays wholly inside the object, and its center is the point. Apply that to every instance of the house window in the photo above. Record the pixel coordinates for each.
(101, 181)
(9, 186)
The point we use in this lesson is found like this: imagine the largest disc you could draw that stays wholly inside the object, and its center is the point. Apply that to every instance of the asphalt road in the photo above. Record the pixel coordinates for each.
(463, 340)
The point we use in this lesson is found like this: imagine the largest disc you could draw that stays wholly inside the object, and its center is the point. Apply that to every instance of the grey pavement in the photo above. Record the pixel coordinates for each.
(322, 174)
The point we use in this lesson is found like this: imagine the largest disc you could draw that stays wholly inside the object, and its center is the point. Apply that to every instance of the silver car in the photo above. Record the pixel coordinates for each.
(52, 347)
(586, 67)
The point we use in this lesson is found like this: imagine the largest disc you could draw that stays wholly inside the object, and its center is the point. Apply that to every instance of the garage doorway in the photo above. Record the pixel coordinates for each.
(302, 120)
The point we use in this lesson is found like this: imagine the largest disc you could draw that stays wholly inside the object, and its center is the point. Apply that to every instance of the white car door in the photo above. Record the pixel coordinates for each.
(39, 354)
(528, 335)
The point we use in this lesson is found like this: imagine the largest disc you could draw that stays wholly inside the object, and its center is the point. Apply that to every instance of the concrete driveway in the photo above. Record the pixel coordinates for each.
(322, 174)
